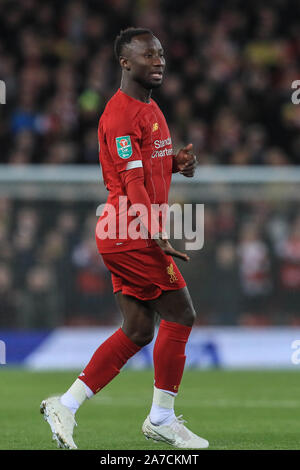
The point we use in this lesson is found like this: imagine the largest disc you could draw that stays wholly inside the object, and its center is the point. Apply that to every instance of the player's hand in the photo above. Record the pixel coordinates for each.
(163, 242)
(186, 161)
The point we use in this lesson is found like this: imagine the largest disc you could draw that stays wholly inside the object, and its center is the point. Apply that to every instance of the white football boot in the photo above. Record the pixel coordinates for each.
(61, 421)
(175, 434)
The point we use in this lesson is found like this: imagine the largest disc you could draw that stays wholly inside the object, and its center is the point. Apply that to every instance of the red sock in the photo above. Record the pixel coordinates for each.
(107, 360)
(169, 355)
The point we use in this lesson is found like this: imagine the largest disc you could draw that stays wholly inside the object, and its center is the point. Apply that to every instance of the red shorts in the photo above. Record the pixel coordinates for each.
(143, 273)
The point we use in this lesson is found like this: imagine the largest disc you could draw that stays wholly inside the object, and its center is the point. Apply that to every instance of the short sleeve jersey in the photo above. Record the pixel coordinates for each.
(132, 134)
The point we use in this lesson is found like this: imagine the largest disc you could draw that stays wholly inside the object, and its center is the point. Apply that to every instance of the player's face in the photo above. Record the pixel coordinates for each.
(146, 61)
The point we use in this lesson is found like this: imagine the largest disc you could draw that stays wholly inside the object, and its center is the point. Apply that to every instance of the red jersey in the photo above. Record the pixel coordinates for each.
(132, 134)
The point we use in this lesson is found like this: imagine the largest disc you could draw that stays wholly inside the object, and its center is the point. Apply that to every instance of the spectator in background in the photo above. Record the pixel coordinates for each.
(39, 304)
(226, 220)
(7, 298)
(276, 157)
(24, 256)
(92, 281)
(6, 251)
(61, 152)
(27, 221)
(19, 157)
(277, 225)
(67, 226)
(5, 212)
(255, 274)
(53, 252)
(255, 143)
(24, 237)
(90, 148)
(225, 281)
(288, 251)
(227, 134)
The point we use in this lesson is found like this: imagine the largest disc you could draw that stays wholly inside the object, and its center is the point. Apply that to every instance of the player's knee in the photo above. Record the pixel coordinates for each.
(188, 316)
(142, 338)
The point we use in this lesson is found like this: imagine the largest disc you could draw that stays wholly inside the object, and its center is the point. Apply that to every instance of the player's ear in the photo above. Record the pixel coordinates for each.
(124, 63)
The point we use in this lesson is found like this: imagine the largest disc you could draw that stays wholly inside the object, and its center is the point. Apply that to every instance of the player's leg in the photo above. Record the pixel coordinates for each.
(177, 318)
(137, 331)
(175, 306)
(138, 319)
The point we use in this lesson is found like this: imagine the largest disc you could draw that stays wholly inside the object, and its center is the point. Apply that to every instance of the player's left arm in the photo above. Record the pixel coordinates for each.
(185, 161)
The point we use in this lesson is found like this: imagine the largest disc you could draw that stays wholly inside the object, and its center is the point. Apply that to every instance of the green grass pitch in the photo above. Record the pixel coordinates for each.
(232, 409)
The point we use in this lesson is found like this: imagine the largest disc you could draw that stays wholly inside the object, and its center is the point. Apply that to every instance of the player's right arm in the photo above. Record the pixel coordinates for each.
(136, 191)
(124, 147)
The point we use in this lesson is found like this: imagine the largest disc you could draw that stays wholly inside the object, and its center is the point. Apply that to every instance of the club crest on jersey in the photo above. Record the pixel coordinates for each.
(171, 272)
(124, 146)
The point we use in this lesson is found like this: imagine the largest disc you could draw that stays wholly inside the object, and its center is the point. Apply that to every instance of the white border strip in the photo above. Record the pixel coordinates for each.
(92, 174)
(134, 164)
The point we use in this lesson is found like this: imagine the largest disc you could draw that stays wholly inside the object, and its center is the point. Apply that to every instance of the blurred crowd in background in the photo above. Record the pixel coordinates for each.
(52, 275)
(227, 89)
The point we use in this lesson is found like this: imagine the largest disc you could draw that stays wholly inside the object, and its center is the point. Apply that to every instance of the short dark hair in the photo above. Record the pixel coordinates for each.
(126, 36)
